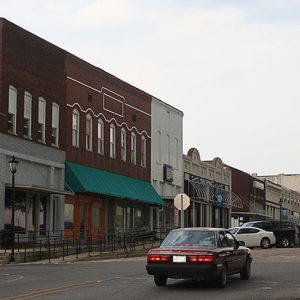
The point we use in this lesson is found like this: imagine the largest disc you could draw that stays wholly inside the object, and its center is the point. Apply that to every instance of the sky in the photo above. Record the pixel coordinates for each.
(231, 66)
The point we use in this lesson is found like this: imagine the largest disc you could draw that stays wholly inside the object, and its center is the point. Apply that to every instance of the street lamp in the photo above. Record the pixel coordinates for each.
(13, 165)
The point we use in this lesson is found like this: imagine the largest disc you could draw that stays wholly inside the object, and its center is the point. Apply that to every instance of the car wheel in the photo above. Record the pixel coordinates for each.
(284, 242)
(222, 278)
(160, 280)
(246, 272)
(265, 243)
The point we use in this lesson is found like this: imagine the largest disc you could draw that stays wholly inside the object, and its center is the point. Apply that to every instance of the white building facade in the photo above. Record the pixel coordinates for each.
(166, 159)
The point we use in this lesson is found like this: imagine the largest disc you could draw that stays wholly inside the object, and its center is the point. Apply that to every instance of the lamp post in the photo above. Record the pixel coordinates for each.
(13, 165)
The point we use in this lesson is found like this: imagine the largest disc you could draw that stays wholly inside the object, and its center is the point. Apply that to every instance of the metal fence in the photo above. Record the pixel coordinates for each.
(31, 246)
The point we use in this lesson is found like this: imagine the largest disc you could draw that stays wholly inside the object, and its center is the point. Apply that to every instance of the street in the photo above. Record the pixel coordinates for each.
(275, 275)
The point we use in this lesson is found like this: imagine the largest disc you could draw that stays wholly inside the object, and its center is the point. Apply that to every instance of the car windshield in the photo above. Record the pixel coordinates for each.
(192, 238)
(233, 230)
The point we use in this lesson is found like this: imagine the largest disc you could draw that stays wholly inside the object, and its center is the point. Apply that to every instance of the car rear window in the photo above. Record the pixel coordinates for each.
(193, 238)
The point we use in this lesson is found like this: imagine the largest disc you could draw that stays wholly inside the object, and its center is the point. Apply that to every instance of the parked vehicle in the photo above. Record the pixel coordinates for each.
(286, 233)
(254, 237)
(201, 254)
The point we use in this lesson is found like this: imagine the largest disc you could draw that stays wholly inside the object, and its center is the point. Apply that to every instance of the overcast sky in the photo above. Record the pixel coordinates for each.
(232, 66)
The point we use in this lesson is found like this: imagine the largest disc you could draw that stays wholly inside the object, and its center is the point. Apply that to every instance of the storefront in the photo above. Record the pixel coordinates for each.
(106, 201)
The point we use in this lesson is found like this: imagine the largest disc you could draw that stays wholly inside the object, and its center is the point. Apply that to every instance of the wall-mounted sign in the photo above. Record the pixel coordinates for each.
(168, 173)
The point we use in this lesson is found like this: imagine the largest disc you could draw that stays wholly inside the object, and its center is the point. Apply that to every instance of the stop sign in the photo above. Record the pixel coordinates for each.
(182, 201)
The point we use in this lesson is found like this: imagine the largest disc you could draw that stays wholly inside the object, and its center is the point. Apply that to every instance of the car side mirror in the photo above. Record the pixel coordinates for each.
(241, 243)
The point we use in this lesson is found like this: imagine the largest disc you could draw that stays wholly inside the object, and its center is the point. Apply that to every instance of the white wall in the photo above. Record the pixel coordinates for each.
(168, 121)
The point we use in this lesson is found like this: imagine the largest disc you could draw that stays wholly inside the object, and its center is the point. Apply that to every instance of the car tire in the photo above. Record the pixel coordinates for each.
(265, 243)
(284, 242)
(160, 280)
(246, 272)
(222, 278)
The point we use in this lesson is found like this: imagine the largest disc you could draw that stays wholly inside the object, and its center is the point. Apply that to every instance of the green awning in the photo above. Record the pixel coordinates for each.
(80, 178)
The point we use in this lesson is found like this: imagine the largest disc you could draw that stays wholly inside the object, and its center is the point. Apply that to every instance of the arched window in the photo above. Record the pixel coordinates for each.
(143, 151)
(123, 144)
(112, 141)
(133, 148)
(55, 124)
(27, 115)
(42, 120)
(100, 137)
(12, 109)
(168, 149)
(88, 132)
(75, 128)
(176, 153)
(158, 146)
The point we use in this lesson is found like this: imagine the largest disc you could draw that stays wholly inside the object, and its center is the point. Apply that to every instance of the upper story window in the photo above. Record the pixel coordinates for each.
(88, 132)
(176, 153)
(143, 151)
(133, 148)
(158, 146)
(100, 137)
(168, 149)
(55, 124)
(27, 115)
(75, 128)
(12, 109)
(41, 119)
(123, 144)
(112, 141)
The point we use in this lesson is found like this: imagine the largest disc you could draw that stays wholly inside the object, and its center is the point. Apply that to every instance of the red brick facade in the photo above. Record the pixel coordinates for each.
(31, 64)
(92, 90)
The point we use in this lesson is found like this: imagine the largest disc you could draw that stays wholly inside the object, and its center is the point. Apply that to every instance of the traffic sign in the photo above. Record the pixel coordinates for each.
(182, 201)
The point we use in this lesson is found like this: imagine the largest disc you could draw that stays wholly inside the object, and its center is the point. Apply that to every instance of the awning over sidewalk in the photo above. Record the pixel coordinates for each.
(80, 178)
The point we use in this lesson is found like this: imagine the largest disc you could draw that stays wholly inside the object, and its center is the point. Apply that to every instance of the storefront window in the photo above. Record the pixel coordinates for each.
(119, 217)
(96, 217)
(138, 220)
(69, 216)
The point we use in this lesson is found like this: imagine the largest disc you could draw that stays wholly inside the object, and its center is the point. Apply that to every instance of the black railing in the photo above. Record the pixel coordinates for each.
(35, 245)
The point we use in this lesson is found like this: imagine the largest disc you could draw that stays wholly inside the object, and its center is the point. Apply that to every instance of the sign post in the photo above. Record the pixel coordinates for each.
(182, 202)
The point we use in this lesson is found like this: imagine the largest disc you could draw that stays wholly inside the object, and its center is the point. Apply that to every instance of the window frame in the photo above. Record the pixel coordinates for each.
(12, 109)
(100, 137)
(88, 132)
(75, 128)
(123, 144)
(55, 125)
(112, 141)
(143, 152)
(42, 129)
(133, 148)
(27, 118)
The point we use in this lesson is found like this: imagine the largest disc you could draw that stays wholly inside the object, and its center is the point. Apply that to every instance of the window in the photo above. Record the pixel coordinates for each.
(123, 144)
(12, 109)
(158, 146)
(88, 133)
(75, 128)
(27, 115)
(69, 216)
(100, 137)
(133, 148)
(168, 149)
(55, 124)
(96, 217)
(176, 153)
(112, 141)
(143, 151)
(42, 119)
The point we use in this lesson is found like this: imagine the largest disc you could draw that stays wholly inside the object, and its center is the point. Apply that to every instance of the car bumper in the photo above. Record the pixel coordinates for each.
(185, 271)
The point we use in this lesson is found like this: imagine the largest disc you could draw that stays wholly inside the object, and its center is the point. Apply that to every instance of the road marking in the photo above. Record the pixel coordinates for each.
(11, 280)
(57, 289)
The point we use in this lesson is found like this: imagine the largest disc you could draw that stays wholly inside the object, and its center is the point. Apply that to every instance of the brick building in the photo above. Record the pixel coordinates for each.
(32, 106)
(74, 127)
(108, 151)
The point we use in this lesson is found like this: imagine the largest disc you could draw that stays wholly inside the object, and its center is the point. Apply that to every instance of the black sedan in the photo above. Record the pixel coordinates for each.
(201, 254)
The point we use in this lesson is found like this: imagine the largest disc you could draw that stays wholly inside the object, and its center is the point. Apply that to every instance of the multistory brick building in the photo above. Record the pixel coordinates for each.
(32, 106)
(71, 126)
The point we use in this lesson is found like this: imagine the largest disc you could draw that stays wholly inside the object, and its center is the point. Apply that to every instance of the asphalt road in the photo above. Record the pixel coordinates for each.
(275, 275)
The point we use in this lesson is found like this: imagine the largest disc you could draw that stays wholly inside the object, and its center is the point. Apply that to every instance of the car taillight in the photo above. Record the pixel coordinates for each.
(158, 258)
(201, 258)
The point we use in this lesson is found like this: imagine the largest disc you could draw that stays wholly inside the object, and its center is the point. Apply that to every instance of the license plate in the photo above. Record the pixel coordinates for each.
(179, 258)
